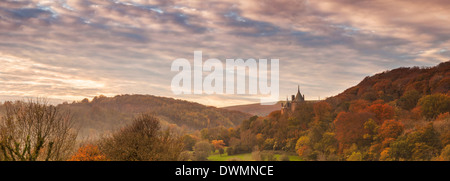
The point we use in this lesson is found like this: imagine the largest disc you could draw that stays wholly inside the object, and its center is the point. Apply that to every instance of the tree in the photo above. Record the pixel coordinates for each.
(391, 129)
(422, 144)
(350, 127)
(33, 130)
(445, 154)
(248, 140)
(269, 144)
(315, 132)
(422, 152)
(322, 111)
(185, 156)
(221, 151)
(382, 111)
(355, 156)
(188, 142)
(218, 144)
(142, 141)
(409, 99)
(385, 155)
(88, 152)
(371, 128)
(433, 105)
(85, 101)
(202, 150)
(303, 147)
(369, 96)
(328, 144)
(230, 151)
(427, 135)
(358, 105)
(304, 113)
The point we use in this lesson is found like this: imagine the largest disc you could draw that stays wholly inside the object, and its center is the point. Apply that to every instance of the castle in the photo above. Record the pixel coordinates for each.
(296, 100)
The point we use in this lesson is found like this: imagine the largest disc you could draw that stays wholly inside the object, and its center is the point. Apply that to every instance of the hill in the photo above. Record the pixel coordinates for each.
(392, 84)
(105, 114)
(400, 114)
(255, 109)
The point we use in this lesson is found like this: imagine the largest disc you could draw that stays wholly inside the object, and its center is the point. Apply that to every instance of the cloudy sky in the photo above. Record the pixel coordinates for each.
(70, 49)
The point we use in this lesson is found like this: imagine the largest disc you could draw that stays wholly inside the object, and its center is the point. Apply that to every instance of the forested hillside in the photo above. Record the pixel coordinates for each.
(401, 114)
(105, 114)
(391, 85)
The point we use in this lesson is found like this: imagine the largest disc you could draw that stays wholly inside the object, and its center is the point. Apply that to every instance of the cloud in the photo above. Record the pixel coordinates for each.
(68, 50)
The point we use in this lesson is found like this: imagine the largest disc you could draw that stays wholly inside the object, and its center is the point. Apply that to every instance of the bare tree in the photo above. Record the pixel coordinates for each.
(35, 131)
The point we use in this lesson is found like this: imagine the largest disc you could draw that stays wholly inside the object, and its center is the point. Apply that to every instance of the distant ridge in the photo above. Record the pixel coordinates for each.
(104, 114)
(255, 109)
(258, 109)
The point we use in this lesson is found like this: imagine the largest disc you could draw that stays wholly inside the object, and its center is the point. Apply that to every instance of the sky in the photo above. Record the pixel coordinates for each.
(67, 50)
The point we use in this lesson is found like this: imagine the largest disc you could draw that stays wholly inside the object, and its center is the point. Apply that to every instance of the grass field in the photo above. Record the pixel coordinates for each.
(245, 157)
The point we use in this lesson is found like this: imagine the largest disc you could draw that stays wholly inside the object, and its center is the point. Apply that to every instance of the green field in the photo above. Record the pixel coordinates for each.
(245, 157)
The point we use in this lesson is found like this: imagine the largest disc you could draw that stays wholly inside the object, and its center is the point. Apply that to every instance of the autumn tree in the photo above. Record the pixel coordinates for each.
(328, 145)
(88, 152)
(422, 144)
(409, 99)
(371, 128)
(248, 141)
(34, 130)
(322, 111)
(355, 156)
(350, 127)
(316, 130)
(391, 129)
(303, 147)
(188, 142)
(304, 114)
(358, 105)
(218, 144)
(142, 141)
(382, 111)
(202, 150)
(433, 105)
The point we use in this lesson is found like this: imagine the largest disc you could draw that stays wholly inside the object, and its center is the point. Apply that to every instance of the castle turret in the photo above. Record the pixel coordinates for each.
(299, 97)
(295, 100)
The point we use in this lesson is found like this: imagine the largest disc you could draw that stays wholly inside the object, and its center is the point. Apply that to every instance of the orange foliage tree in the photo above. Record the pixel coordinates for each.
(350, 127)
(358, 105)
(88, 153)
(382, 111)
(390, 129)
(218, 144)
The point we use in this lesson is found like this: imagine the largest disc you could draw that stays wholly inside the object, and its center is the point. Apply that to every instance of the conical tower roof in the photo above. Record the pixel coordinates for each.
(299, 96)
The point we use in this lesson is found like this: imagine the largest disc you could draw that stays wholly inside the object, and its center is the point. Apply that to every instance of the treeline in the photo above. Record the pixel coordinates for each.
(401, 114)
(103, 114)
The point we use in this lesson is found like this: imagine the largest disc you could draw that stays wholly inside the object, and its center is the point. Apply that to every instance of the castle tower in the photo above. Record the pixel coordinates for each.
(285, 107)
(295, 101)
(299, 98)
